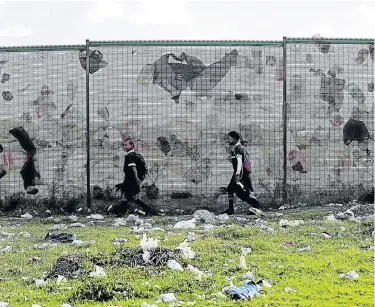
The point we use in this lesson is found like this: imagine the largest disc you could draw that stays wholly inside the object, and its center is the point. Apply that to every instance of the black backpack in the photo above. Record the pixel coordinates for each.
(141, 165)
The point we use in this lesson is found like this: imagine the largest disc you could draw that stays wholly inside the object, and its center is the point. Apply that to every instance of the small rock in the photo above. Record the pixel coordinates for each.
(282, 208)
(35, 305)
(350, 275)
(60, 279)
(47, 212)
(91, 223)
(4, 304)
(79, 210)
(66, 305)
(196, 271)
(27, 216)
(167, 298)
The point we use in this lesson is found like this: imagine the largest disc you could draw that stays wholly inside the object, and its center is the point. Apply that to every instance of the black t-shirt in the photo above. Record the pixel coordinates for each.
(130, 161)
(236, 151)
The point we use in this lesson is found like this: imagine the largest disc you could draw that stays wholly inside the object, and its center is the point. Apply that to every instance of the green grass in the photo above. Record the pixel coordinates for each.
(314, 273)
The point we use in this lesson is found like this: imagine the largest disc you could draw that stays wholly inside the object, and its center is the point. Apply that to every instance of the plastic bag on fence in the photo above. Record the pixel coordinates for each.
(146, 75)
(24, 139)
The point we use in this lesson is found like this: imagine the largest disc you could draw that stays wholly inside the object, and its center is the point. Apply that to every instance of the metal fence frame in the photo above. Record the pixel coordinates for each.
(283, 44)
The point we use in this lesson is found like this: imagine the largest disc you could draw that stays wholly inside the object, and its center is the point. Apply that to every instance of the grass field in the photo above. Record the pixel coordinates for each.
(314, 274)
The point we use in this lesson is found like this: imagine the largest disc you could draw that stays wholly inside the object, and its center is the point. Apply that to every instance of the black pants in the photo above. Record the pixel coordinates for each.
(243, 190)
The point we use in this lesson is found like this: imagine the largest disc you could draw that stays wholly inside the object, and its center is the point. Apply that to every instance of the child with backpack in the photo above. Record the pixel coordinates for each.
(135, 170)
(241, 181)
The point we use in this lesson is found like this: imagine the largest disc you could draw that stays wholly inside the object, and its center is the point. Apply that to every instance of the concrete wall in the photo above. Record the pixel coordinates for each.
(178, 103)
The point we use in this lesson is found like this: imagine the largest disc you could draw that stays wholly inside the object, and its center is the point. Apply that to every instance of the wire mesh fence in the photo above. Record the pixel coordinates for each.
(42, 123)
(330, 122)
(177, 101)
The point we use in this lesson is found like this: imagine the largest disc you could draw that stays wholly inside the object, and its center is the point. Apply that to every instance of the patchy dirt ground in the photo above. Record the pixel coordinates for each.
(299, 257)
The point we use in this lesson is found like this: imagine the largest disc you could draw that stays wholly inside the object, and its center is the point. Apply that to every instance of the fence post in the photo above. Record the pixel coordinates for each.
(88, 196)
(285, 193)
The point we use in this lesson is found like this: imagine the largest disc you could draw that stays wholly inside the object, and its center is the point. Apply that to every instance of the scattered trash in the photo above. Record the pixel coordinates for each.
(147, 245)
(167, 298)
(60, 279)
(4, 304)
(58, 227)
(61, 237)
(35, 305)
(187, 252)
(204, 216)
(25, 234)
(76, 225)
(120, 240)
(350, 275)
(223, 217)
(266, 229)
(185, 224)
(27, 216)
(35, 260)
(6, 234)
(289, 290)
(208, 227)
(99, 272)
(348, 214)
(303, 249)
(7, 249)
(331, 218)
(191, 237)
(95, 217)
(244, 252)
(196, 271)
(334, 205)
(282, 208)
(44, 245)
(39, 283)
(79, 242)
(66, 305)
(323, 234)
(147, 305)
(287, 245)
(266, 284)
(246, 292)
(292, 223)
(73, 218)
(248, 276)
(118, 222)
(174, 265)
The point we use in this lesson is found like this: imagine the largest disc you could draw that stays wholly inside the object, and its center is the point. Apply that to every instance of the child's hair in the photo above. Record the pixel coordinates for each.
(237, 137)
